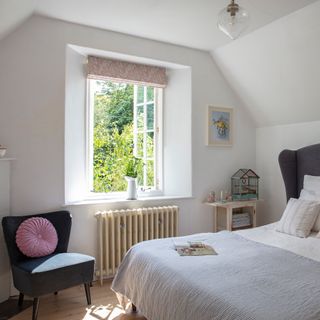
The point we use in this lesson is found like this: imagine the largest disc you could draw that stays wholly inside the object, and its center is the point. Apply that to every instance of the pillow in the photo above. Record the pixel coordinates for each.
(299, 217)
(312, 196)
(311, 183)
(36, 237)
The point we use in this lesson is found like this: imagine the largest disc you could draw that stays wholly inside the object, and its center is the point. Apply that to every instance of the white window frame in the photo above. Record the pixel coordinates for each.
(158, 145)
(157, 131)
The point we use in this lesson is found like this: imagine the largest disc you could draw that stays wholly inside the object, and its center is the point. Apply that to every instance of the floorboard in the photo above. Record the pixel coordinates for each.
(71, 304)
(10, 308)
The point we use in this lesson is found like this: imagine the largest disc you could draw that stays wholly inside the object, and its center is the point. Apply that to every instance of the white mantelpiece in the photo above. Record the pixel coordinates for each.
(5, 275)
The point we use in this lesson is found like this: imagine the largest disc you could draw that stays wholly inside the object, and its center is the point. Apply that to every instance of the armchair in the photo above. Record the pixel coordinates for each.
(60, 270)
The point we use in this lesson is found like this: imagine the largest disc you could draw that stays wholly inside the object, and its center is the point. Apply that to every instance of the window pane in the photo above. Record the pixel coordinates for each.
(150, 94)
(150, 144)
(140, 118)
(150, 173)
(140, 97)
(112, 134)
(139, 149)
(150, 116)
(140, 176)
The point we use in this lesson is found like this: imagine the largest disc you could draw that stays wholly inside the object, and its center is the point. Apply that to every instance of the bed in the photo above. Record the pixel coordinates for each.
(258, 274)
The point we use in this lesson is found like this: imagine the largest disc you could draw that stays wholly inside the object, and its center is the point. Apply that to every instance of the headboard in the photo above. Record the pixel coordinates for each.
(295, 164)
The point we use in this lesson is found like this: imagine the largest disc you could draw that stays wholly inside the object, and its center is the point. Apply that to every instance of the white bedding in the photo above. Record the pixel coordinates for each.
(307, 247)
(249, 279)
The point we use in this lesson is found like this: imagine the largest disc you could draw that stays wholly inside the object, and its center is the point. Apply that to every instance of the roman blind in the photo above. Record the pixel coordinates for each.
(123, 71)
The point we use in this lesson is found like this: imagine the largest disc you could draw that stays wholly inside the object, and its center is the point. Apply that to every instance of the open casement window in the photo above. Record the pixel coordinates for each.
(124, 121)
(147, 135)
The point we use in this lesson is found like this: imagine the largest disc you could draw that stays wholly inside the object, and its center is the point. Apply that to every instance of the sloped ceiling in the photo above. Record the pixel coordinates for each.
(186, 22)
(275, 70)
(13, 13)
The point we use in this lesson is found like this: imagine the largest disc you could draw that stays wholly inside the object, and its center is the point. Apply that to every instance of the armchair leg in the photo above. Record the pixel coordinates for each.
(20, 301)
(88, 294)
(35, 308)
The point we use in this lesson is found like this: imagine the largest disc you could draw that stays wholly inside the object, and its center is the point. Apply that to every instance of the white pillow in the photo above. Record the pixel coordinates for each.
(311, 196)
(299, 217)
(311, 183)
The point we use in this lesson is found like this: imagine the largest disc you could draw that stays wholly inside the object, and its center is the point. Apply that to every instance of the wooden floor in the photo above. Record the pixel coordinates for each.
(71, 304)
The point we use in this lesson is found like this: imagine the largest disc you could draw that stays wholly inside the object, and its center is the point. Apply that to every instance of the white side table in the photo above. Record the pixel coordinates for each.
(228, 209)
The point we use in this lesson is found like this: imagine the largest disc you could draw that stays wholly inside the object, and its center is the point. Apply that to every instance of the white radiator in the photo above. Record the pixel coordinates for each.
(119, 230)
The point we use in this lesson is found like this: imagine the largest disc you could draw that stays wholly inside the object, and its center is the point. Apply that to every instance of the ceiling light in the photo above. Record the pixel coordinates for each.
(233, 20)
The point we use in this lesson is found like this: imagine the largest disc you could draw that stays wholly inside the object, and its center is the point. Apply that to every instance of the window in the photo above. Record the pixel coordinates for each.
(124, 123)
(146, 133)
(172, 127)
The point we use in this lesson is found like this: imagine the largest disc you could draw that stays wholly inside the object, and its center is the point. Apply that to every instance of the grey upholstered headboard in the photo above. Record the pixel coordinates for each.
(295, 164)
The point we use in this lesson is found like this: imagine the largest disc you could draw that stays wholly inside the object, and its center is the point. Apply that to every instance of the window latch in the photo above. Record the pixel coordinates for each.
(145, 189)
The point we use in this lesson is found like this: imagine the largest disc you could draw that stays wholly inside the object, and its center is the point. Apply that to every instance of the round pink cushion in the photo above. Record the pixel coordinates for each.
(36, 237)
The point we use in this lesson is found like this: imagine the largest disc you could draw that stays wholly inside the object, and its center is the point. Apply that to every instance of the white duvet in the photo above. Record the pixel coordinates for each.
(306, 247)
(258, 274)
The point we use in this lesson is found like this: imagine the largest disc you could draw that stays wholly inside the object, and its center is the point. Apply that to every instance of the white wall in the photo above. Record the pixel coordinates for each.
(32, 100)
(275, 70)
(14, 13)
(75, 126)
(4, 211)
(177, 133)
(270, 142)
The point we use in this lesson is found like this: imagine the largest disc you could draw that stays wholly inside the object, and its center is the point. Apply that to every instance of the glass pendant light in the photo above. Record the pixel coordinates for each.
(233, 20)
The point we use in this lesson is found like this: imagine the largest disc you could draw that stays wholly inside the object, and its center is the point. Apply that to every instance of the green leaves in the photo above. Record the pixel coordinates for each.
(113, 140)
(133, 167)
(113, 105)
(112, 153)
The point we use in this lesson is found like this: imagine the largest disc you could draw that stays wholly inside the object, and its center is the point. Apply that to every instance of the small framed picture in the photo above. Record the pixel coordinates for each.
(220, 126)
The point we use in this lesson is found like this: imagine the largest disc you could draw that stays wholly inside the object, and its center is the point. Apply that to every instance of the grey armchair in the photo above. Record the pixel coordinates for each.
(38, 276)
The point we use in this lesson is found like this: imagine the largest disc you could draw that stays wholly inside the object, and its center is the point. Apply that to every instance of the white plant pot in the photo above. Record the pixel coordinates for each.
(132, 188)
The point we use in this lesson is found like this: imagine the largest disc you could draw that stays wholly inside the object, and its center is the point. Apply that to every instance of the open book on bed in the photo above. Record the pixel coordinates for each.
(193, 248)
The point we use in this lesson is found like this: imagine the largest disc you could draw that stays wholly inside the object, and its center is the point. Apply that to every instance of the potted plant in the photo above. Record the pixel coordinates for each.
(132, 168)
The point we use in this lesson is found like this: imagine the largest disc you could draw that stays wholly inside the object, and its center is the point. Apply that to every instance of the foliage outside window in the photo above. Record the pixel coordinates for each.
(123, 129)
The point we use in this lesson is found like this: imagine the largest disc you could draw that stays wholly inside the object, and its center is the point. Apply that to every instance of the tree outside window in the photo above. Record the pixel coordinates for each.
(124, 126)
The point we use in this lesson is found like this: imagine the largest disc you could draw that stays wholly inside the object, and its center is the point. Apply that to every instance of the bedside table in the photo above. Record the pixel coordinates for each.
(228, 209)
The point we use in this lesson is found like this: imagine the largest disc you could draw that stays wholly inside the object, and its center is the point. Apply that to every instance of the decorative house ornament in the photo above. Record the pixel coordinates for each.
(233, 20)
(245, 185)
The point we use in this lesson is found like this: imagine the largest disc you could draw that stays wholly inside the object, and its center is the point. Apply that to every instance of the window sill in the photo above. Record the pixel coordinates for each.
(125, 201)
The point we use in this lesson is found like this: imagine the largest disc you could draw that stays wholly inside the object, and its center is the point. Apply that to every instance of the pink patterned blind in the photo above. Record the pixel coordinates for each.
(122, 71)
